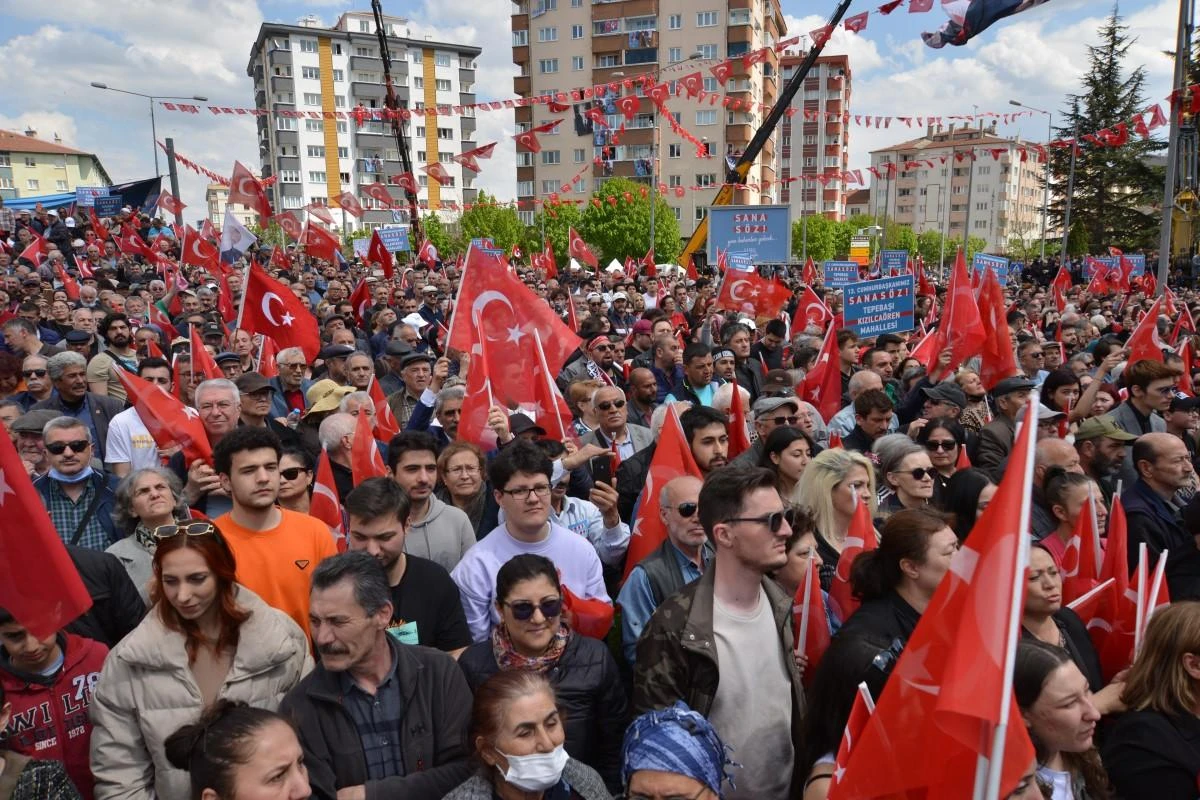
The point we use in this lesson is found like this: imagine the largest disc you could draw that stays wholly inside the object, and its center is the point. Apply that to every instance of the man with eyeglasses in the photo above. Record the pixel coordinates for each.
(1030, 358)
(614, 432)
(520, 475)
(291, 384)
(680, 559)
(1151, 386)
(1153, 509)
(37, 383)
(78, 498)
(768, 414)
(723, 644)
(598, 362)
(130, 446)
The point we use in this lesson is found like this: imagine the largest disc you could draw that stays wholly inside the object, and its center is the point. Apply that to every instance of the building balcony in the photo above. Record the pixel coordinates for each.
(521, 54)
(738, 133)
(279, 58)
(281, 84)
(368, 90)
(366, 64)
(523, 85)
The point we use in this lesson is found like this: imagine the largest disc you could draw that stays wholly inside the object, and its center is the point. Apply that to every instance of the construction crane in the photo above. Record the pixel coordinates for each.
(393, 105)
(740, 170)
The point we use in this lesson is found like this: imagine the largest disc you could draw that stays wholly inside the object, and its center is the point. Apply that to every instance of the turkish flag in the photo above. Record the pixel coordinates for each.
(721, 71)
(269, 306)
(468, 161)
(361, 299)
(34, 252)
(672, 459)
(349, 203)
(924, 287)
(693, 83)
(202, 362)
(405, 181)
(71, 287)
(320, 212)
(320, 243)
(437, 172)
(267, 350)
(97, 227)
(1189, 365)
(365, 461)
(378, 254)
(822, 385)
(1082, 560)
(1062, 279)
(651, 268)
(156, 316)
(860, 537)
(550, 407)
(39, 584)
(246, 189)
(739, 436)
(290, 225)
(545, 261)
(952, 685)
(577, 248)
(961, 328)
(209, 232)
(1144, 343)
(751, 293)
(857, 22)
(1183, 322)
(324, 505)
(589, 616)
(628, 106)
(998, 361)
(279, 259)
(379, 193)
(860, 712)
(197, 252)
(810, 311)
(169, 421)
(225, 306)
(131, 244)
(811, 631)
(427, 254)
(809, 276)
(916, 6)
(170, 203)
(1112, 627)
(386, 424)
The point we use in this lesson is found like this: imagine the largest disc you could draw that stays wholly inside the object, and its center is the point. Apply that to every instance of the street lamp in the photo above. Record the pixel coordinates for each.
(151, 98)
(1046, 180)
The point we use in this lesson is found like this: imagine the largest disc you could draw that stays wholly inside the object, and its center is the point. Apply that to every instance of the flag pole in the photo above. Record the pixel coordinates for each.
(995, 763)
(802, 636)
(537, 339)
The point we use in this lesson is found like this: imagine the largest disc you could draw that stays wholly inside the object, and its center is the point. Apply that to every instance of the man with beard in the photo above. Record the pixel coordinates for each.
(1101, 447)
(426, 606)
(437, 531)
(118, 354)
(598, 361)
(643, 394)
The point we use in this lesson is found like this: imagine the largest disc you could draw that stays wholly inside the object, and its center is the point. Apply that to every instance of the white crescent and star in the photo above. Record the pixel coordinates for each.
(266, 309)
(733, 291)
(492, 296)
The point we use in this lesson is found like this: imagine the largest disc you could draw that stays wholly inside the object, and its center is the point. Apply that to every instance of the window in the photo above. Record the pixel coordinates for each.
(316, 177)
(342, 128)
(739, 16)
(707, 117)
(419, 131)
(608, 60)
(674, 150)
(525, 159)
(312, 99)
(576, 63)
(418, 83)
(441, 60)
(282, 72)
(549, 186)
(810, 139)
(364, 52)
(442, 84)
(707, 51)
(445, 133)
(343, 152)
(580, 155)
(60, 186)
(364, 26)
(549, 34)
(339, 101)
(283, 97)
(344, 177)
(285, 124)
(576, 3)
(524, 188)
(339, 75)
(675, 22)
(700, 212)
(706, 180)
(292, 202)
(308, 45)
(32, 184)
(520, 38)
(547, 65)
(316, 151)
(289, 176)
(311, 73)
(674, 180)
(30, 161)
(576, 31)
(980, 224)
(551, 157)
(707, 19)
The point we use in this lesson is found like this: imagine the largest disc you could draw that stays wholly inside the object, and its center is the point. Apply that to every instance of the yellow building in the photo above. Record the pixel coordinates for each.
(31, 167)
(216, 198)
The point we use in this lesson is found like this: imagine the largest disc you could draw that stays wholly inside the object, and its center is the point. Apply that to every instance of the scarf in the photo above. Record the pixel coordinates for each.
(145, 537)
(507, 657)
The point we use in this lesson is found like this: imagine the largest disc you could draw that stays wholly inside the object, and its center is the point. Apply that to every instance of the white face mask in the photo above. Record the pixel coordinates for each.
(537, 772)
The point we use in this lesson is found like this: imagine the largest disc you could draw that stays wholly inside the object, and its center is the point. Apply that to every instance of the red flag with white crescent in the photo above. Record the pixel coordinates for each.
(248, 190)
(270, 307)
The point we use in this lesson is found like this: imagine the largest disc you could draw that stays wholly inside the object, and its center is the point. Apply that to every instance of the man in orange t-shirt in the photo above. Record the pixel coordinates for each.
(276, 549)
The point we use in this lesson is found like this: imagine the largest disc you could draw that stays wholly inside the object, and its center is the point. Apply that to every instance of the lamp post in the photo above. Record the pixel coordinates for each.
(1046, 179)
(151, 98)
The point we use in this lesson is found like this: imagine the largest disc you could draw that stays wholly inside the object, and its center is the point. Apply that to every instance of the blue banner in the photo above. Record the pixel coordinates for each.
(742, 262)
(762, 232)
(893, 262)
(998, 265)
(107, 206)
(1139, 263)
(872, 308)
(1109, 262)
(85, 196)
(838, 274)
(395, 238)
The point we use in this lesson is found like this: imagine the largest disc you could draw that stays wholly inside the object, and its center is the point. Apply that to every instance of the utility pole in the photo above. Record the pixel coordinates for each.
(173, 173)
(1183, 46)
(1062, 258)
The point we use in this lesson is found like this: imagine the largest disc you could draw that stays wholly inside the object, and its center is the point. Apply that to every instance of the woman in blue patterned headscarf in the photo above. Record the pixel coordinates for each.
(673, 752)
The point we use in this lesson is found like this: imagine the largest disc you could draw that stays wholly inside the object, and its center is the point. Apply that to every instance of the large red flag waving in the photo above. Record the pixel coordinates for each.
(810, 311)
(169, 421)
(319, 242)
(859, 538)
(739, 434)
(1082, 560)
(365, 461)
(203, 363)
(998, 360)
(822, 385)
(386, 424)
(270, 307)
(1144, 343)
(377, 253)
(325, 505)
(246, 189)
(961, 329)
(577, 248)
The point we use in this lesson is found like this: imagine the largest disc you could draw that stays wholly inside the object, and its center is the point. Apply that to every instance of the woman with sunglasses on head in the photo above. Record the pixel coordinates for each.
(206, 639)
(907, 470)
(296, 474)
(534, 637)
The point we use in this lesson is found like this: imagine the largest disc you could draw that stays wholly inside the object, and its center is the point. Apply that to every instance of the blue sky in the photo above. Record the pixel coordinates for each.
(202, 46)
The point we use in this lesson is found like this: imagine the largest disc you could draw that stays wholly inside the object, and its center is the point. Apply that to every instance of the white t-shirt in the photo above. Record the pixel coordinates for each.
(130, 443)
(1060, 783)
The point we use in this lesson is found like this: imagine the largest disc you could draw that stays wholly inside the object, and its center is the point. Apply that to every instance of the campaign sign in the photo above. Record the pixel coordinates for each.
(762, 232)
(85, 196)
(1109, 262)
(107, 206)
(839, 274)
(998, 265)
(893, 262)
(1139, 263)
(361, 246)
(872, 308)
(742, 262)
(395, 238)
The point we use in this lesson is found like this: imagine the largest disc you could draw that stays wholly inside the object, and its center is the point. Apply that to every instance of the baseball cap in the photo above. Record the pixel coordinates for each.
(325, 395)
(1010, 385)
(1044, 412)
(765, 405)
(620, 296)
(1098, 427)
(777, 380)
(211, 329)
(643, 326)
(251, 382)
(594, 297)
(946, 392)
(1181, 402)
(427, 288)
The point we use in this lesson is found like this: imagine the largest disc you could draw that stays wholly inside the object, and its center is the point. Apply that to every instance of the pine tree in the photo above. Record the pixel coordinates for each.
(1115, 187)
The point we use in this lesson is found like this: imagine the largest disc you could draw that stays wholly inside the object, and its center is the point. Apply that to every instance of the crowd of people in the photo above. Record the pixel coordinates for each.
(474, 627)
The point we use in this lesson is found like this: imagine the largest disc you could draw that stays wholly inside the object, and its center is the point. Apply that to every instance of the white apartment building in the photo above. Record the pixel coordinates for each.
(216, 200)
(816, 139)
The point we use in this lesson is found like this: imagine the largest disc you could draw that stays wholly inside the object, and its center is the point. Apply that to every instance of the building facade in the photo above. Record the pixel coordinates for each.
(325, 74)
(815, 139)
(33, 167)
(561, 46)
(216, 200)
(997, 196)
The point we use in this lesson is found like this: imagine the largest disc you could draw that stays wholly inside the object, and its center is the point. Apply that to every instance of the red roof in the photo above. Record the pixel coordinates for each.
(20, 143)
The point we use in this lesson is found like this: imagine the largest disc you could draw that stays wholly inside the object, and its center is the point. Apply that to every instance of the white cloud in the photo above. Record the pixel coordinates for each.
(863, 52)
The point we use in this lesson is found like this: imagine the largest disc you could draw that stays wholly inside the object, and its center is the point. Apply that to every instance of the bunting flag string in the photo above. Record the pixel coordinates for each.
(208, 173)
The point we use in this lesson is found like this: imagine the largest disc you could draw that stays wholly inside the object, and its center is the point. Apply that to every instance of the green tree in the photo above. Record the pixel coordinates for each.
(500, 222)
(818, 230)
(620, 225)
(930, 246)
(1077, 239)
(435, 231)
(554, 219)
(1115, 187)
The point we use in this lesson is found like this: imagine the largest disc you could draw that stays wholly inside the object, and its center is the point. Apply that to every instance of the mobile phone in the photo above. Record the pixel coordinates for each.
(601, 467)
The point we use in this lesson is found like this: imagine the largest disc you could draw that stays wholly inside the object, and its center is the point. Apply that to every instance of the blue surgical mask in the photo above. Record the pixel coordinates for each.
(78, 477)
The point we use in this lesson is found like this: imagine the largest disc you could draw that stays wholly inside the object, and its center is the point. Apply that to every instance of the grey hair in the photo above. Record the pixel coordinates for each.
(371, 590)
(600, 389)
(456, 392)
(362, 353)
(334, 428)
(64, 423)
(892, 449)
(659, 417)
(214, 384)
(57, 364)
(355, 397)
(123, 514)
(288, 352)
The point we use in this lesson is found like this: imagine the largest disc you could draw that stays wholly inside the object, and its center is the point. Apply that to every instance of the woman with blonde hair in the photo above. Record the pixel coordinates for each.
(1151, 750)
(832, 485)
(976, 414)
(579, 400)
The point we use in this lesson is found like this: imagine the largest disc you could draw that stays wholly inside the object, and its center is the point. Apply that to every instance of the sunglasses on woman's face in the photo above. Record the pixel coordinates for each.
(946, 445)
(919, 474)
(291, 473)
(523, 609)
(188, 529)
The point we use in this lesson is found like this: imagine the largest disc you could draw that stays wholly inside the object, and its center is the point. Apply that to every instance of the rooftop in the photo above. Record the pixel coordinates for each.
(20, 143)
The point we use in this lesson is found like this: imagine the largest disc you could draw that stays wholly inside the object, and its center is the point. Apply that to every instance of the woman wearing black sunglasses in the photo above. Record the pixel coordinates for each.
(533, 636)
(908, 472)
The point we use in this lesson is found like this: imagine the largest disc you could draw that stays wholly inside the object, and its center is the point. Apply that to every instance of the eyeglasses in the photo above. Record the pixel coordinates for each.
(1165, 391)
(919, 474)
(77, 446)
(291, 473)
(945, 445)
(604, 347)
(188, 529)
(784, 420)
(774, 520)
(1036, 355)
(523, 609)
(609, 405)
(685, 510)
(525, 492)
(33, 373)
(466, 469)
(290, 365)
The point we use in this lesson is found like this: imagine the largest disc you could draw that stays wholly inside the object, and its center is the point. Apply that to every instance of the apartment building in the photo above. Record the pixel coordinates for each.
(995, 197)
(561, 46)
(325, 73)
(216, 200)
(34, 167)
(815, 139)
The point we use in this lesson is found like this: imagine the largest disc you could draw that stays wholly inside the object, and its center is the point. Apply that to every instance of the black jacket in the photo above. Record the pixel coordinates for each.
(1153, 756)
(749, 374)
(1079, 645)
(589, 691)
(1153, 522)
(433, 735)
(858, 441)
(117, 608)
(631, 479)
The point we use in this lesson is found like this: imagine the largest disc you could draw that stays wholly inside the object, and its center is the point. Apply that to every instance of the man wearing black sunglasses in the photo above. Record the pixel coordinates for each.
(80, 500)
(37, 383)
(614, 432)
(723, 644)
